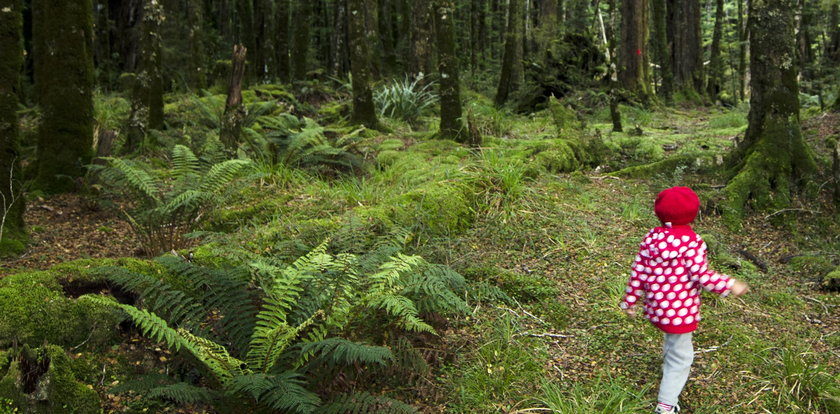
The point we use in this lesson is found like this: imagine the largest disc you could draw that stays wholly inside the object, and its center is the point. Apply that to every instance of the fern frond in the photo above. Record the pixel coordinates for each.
(181, 393)
(184, 162)
(340, 351)
(223, 366)
(285, 392)
(386, 280)
(271, 338)
(364, 403)
(403, 309)
(135, 177)
(150, 324)
(222, 174)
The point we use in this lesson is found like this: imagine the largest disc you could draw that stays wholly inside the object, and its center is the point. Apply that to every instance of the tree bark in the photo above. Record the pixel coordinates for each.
(300, 43)
(263, 38)
(246, 34)
(686, 37)
(633, 53)
(64, 81)
(421, 34)
(832, 51)
(341, 61)
(663, 52)
(742, 53)
(231, 128)
(12, 228)
(513, 74)
(198, 54)
(773, 160)
(716, 62)
(151, 74)
(281, 38)
(363, 107)
(451, 125)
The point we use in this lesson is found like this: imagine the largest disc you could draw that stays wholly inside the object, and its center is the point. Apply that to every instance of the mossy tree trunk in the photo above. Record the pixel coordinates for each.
(716, 62)
(363, 107)
(742, 53)
(451, 125)
(686, 38)
(300, 43)
(341, 63)
(12, 229)
(282, 63)
(663, 52)
(231, 128)
(633, 51)
(62, 39)
(773, 160)
(513, 74)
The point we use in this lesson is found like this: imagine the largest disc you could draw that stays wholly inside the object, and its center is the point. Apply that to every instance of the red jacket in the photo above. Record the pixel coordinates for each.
(668, 273)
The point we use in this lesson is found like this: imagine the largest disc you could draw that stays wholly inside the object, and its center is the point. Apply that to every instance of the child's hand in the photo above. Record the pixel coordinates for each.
(739, 288)
(631, 312)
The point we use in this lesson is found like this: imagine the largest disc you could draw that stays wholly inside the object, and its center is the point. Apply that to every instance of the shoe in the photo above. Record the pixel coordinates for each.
(674, 409)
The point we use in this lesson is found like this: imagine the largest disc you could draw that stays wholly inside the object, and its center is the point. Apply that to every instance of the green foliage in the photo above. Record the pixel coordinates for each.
(800, 384)
(262, 340)
(167, 204)
(364, 403)
(406, 99)
(302, 143)
(603, 396)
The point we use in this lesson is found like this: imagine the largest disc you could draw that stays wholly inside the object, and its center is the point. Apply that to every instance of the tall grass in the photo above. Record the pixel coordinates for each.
(603, 396)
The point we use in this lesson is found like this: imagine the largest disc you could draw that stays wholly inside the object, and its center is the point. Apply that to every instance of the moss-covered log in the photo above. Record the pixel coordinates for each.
(363, 108)
(451, 125)
(62, 39)
(11, 198)
(773, 160)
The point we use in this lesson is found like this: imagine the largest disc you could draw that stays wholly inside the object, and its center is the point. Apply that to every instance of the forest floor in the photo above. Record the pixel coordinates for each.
(558, 245)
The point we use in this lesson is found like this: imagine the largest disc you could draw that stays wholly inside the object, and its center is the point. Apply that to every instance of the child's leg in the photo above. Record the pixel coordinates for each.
(679, 354)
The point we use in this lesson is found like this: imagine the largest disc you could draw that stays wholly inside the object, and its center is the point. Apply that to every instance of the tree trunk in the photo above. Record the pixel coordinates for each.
(198, 54)
(832, 52)
(742, 53)
(281, 38)
(773, 160)
(12, 229)
(363, 108)
(102, 55)
(716, 62)
(231, 127)
(64, 81)
(633, 53)
(340, 59)
(451, 125)
(152, 62)
(263, 36)
(246, 34)
(513, 74)
(300, 43)
(421, 34)
(663, 52)
(686, 38)
(835, 172)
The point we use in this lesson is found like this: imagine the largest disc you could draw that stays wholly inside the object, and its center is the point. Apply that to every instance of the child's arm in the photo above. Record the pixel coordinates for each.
(634, 290)
(698, 267)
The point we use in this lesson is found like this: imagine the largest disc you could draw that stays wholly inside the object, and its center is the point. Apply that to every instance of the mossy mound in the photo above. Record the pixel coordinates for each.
(831, 281)
(40, 306)
(10, 247)
(42, 381)
(562, 156)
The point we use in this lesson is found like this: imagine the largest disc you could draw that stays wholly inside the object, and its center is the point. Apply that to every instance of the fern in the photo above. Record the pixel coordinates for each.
(150, 324)
(286, 392)
(364, 403)
(181, 393)
(340, 351)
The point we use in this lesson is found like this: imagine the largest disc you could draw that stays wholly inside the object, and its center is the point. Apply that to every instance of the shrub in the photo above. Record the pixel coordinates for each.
(406, 99)
(167, 204)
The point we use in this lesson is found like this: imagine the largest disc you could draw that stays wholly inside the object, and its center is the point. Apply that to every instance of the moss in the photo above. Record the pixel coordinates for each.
(391, 144)
(831, 281)
(34, 308)
(659, 167)
(441, 208)
(62, 35)
(56, 390)
(523, 287)
(10, 247)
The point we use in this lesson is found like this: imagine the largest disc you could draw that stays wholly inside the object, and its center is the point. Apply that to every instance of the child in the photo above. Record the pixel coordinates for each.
(667, 274)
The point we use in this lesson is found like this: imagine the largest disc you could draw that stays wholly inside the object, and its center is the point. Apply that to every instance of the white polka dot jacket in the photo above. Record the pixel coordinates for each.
(668, 274)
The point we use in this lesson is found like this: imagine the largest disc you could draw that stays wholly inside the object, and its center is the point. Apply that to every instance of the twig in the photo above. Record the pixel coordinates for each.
(713, 348)
(603, 177)
(790, 209)
(543, 335)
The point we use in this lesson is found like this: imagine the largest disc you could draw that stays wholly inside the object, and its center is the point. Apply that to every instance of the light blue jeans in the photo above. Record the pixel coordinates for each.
(679, 355)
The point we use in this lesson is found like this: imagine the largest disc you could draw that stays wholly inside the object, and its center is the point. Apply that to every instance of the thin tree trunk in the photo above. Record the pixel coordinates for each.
(300, 44)
(512, 76)
(363, 108)
(663, 53)
(773, 160)
(263, 25)
(633, 53)
(198, 54)
(833, 49)
(422, 50)
(281, 41)
(716, 62)
(742, 53)
(247, 35)
(231, 128)
(11, 61)
(151, 74)
(64, 82)
(451, 125)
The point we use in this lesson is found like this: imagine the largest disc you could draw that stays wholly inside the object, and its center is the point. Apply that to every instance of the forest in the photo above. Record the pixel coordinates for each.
(411, 206)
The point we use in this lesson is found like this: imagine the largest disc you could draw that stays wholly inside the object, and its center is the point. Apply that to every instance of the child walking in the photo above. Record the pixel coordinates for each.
(667, 276)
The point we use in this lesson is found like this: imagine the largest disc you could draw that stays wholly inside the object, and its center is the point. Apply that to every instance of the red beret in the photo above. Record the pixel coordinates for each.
(677, 205)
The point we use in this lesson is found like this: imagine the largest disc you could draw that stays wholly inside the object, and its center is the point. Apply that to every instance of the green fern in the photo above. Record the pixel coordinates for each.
(340, 351)
(364, 403)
